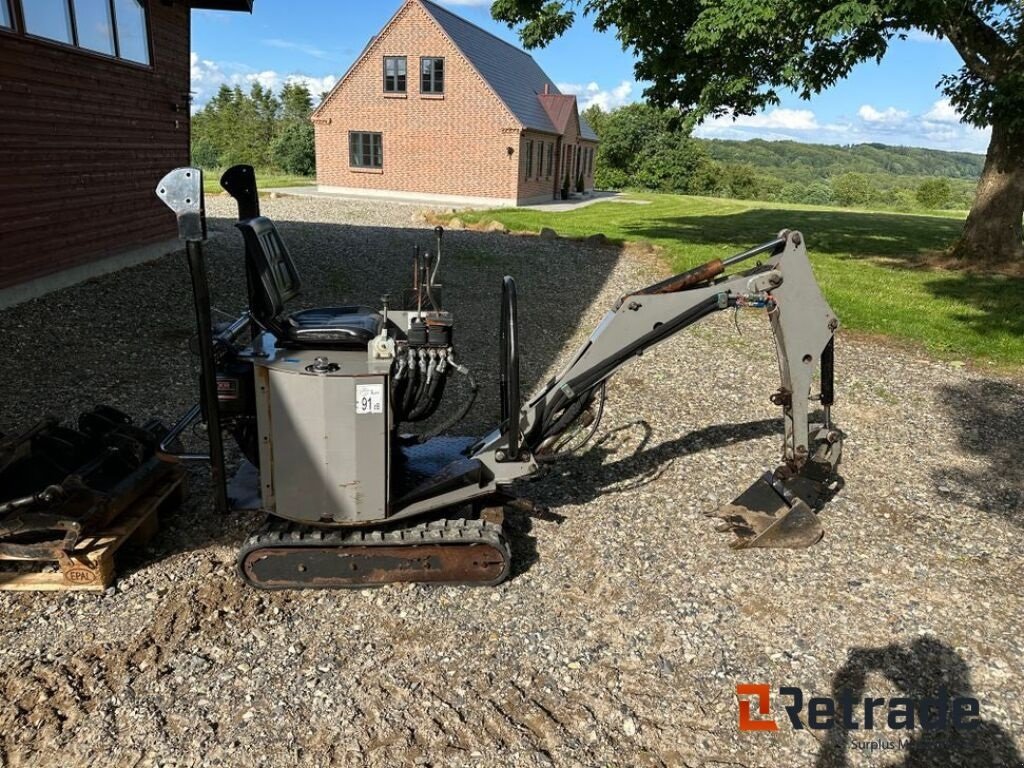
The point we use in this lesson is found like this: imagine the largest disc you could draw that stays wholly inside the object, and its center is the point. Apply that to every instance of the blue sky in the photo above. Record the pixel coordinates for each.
(896, 102)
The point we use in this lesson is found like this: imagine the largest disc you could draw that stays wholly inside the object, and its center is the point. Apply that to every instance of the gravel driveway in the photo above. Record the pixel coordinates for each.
(628, 623)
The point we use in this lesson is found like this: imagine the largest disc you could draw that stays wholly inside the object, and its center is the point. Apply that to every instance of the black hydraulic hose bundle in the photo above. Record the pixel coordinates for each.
(458, 417)
(430, 399)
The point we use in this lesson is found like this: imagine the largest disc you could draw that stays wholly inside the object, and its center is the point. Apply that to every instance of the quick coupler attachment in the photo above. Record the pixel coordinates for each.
(779, 510)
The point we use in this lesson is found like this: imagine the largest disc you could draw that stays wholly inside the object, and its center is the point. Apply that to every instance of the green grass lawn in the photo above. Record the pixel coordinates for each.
(266, 180)
(869, 264)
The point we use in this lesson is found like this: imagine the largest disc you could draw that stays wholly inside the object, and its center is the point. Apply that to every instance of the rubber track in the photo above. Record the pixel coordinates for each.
(279, 534)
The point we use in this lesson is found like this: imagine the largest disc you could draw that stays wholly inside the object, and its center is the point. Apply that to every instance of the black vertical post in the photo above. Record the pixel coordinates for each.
(181, 190)
(208, 368)
(828, 376)
(509, 364)
(828, 380)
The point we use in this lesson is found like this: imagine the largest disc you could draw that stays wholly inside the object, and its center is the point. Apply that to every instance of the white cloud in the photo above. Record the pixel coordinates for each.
(942, 112)
(780, 118)
(937, 128)
(887, 116)
(607, 99)
(920, 36)
(208, 76)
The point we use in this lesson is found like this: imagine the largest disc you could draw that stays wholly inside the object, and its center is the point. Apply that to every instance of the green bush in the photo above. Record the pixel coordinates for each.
(934, 193)
(671, 162)
(607, 177)
(294, 150)
(741, 180)
(902, 200)
(205, 154)
(851, 189)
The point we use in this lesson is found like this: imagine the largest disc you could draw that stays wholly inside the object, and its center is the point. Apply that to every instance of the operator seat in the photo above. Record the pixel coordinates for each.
(274, 281)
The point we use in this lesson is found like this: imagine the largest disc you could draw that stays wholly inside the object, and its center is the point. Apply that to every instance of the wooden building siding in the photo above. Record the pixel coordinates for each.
(83, 141)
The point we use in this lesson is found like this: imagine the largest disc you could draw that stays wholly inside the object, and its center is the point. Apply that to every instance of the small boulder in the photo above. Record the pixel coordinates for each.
(496, 226)
(456, 223)
(547, 233)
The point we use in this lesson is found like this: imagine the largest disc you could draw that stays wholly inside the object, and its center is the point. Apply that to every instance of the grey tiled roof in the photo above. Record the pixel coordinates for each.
(512, 73)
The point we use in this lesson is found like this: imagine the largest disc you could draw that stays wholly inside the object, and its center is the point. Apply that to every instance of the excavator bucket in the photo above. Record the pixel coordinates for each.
(780, 509)
(768, 514)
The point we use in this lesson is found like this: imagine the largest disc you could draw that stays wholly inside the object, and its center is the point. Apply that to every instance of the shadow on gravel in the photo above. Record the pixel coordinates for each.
(925, 669)
(582, 477)
(987, 413)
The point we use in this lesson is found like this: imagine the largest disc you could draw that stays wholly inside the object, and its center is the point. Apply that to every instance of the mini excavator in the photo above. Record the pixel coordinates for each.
(316, 400)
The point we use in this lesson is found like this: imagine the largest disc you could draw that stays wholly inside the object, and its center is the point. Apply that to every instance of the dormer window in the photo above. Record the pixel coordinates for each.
(431, 75)
(395, 74)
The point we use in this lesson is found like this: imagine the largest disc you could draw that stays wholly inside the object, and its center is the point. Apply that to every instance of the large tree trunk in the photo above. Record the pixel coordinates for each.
(993, 231)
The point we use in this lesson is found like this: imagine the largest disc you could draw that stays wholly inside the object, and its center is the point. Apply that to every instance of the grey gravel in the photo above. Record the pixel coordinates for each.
(628, 622)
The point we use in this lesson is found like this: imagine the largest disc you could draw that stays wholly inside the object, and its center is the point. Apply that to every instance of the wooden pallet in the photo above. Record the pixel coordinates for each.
(90, 567)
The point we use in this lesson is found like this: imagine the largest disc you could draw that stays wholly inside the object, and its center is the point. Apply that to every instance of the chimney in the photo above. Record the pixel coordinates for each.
(547, 89)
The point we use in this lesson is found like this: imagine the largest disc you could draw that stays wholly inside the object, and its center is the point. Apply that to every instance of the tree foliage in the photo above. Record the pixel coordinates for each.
(736, 56)
(258, 128)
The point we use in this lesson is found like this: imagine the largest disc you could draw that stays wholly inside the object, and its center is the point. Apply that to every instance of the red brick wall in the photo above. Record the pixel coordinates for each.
(455, 145)
(591, 166)
(83, 142)
(536, 186)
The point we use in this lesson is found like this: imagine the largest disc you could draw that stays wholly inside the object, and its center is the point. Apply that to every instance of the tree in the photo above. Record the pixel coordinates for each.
(296, 103)
(294, 151)
(641, 146)
(934, 193)
(735, 56)
(741, 180)
(851, 189)
(257, 128)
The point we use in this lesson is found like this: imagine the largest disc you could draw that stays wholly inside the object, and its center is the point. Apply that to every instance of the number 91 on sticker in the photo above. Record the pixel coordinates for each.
(369, 398)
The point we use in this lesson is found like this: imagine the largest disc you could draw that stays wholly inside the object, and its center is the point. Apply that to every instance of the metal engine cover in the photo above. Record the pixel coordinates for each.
(324, 422)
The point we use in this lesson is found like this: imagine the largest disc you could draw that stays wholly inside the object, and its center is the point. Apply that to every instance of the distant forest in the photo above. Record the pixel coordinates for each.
(646, 148)
(819, 161)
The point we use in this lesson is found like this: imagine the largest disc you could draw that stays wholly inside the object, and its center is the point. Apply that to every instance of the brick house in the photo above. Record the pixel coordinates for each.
(436, 107)
(95, 105)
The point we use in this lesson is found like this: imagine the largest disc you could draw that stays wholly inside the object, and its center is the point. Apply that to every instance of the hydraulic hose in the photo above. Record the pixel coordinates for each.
(428, 404)
(458, 417)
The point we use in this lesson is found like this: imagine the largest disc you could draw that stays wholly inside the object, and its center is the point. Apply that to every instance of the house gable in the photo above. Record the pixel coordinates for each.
(411, 13)
(464, 141)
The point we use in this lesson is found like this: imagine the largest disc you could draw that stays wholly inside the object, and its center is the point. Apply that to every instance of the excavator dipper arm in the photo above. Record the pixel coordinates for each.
(778, 509)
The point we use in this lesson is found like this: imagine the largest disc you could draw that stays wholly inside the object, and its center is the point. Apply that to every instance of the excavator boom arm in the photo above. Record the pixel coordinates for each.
(778, 509)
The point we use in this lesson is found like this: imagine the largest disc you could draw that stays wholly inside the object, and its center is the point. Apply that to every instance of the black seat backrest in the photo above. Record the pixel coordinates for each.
(272, 274)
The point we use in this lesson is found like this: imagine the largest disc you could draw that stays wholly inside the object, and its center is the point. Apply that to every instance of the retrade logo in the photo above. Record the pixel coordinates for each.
(762, 692)
(821, 713)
